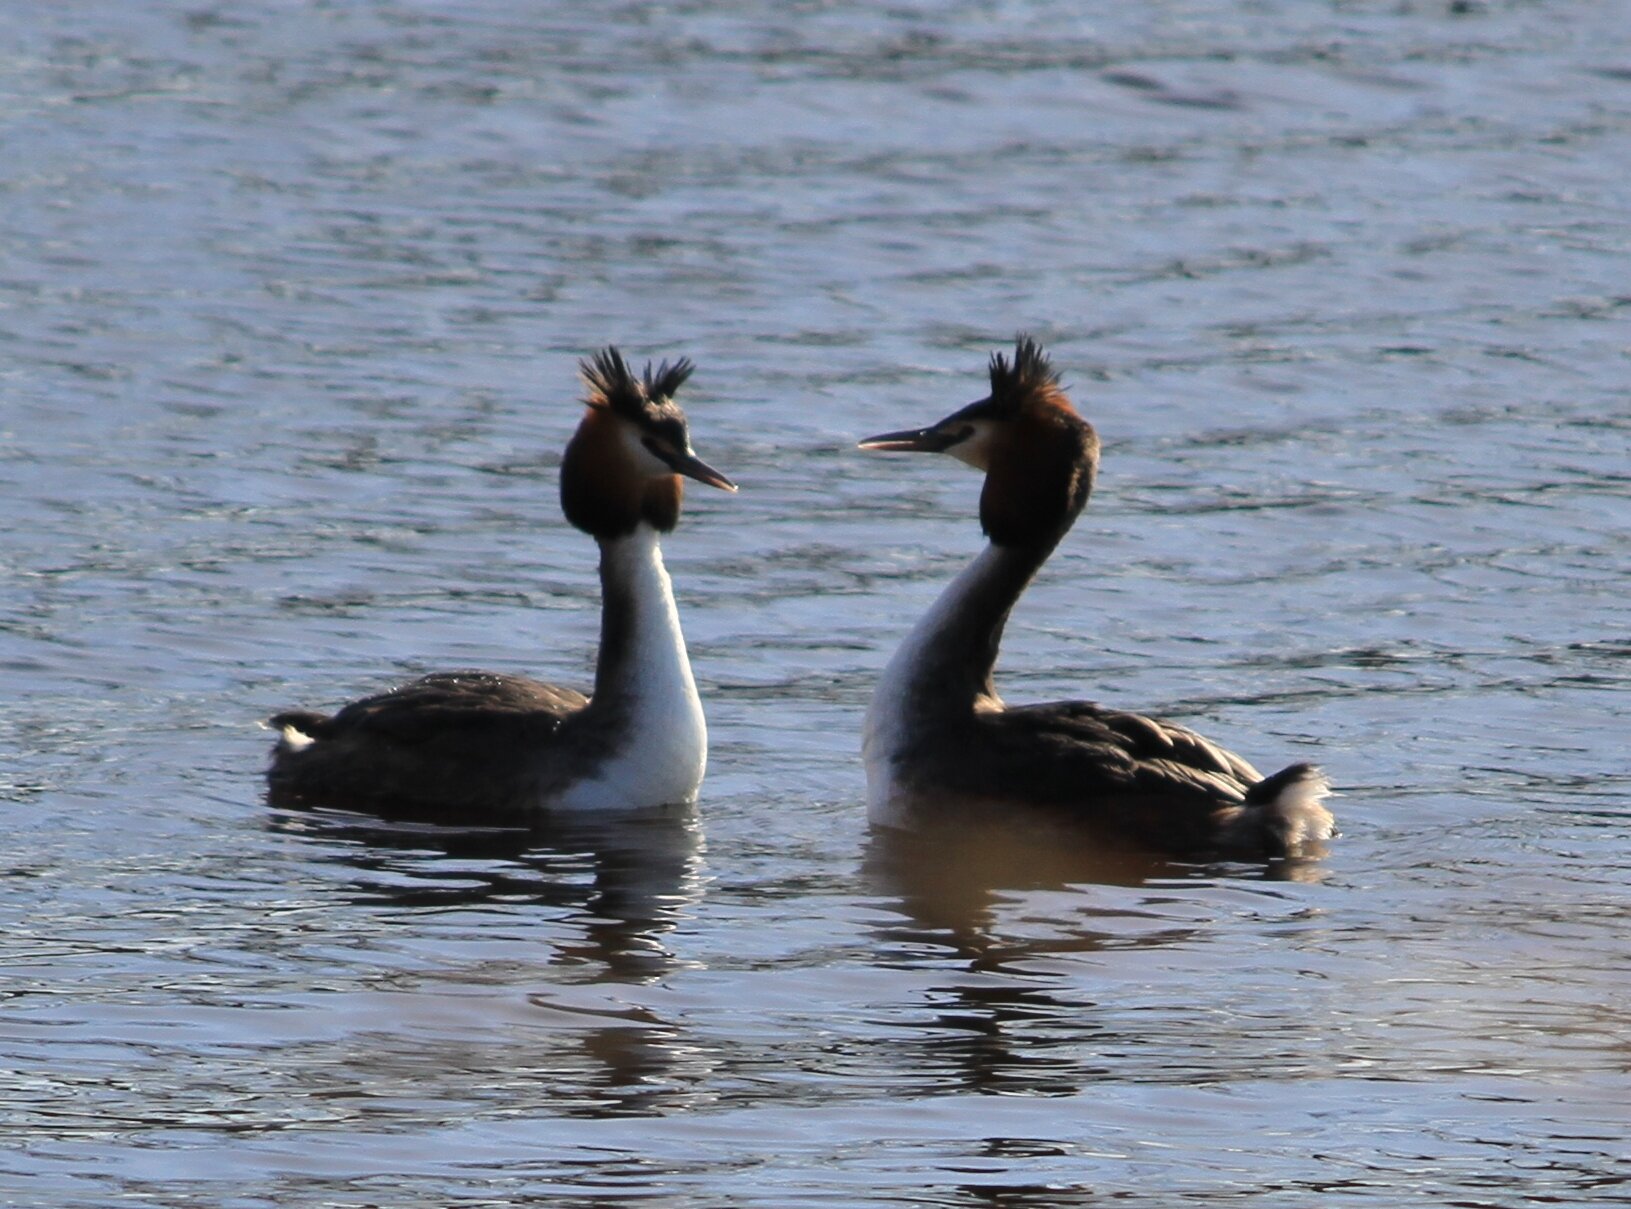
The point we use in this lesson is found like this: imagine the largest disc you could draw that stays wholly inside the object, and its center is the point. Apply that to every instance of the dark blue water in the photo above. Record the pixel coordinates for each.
(290, 302)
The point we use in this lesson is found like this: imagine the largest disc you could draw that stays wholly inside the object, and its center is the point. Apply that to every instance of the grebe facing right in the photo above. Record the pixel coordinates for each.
(481, 747)
(937, 736)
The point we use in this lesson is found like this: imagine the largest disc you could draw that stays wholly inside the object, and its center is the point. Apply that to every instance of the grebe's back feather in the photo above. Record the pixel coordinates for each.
(1154, 779)
(450, 739)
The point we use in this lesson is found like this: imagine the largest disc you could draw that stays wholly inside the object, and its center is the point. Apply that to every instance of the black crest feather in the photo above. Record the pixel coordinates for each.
(1029, 372)
(667, 379)
(612, 383)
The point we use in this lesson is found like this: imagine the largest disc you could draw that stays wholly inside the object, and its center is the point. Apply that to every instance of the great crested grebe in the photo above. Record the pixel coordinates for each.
(484, 746)
(938, 737)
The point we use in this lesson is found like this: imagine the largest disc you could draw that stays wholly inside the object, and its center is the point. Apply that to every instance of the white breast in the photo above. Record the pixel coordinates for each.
(661, 760)
(887, 718)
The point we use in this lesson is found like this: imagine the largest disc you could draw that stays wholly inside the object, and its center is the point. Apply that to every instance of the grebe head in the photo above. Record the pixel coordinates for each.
(624, 463)
(1039, 456)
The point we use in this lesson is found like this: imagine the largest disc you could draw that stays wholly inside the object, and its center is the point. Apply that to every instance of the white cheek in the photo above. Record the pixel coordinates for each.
(976, 450)
(645, 463)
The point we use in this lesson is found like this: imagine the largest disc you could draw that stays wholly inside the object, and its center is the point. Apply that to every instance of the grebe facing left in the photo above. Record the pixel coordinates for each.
(937, 737)
(486, 747)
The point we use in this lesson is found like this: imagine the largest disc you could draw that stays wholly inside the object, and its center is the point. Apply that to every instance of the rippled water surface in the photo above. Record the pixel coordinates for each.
(290, 301)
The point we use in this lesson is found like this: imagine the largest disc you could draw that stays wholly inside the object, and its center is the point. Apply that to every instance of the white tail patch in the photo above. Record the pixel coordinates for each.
(291, 739)
(1298, 815)
(1304, 792)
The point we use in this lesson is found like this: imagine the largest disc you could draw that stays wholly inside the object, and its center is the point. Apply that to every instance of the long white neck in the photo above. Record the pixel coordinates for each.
(645, 698)
(943, 668)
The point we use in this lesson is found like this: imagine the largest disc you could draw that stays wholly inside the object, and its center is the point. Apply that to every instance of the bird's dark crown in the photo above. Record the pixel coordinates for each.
(1028, 378)
(647, 400)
